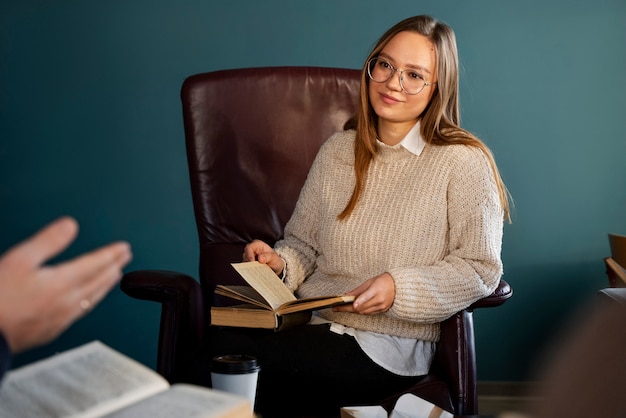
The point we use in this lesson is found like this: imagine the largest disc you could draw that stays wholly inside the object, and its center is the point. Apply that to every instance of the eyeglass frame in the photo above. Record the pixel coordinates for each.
(393, 71)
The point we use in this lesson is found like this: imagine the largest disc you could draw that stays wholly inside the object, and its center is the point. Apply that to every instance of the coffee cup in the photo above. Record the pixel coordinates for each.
(236, 373)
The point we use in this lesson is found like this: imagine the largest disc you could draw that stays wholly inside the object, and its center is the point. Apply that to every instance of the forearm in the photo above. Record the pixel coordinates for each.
(431, 294)
(299, 261)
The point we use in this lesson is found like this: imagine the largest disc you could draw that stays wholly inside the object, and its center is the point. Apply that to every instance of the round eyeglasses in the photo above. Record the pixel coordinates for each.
(380, 70)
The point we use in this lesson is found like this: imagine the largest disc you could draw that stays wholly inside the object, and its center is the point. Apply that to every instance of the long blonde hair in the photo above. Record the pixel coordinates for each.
(440, 122)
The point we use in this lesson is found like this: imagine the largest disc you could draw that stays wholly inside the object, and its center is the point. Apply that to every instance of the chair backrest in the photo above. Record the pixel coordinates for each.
(251, 137)
(618, 248)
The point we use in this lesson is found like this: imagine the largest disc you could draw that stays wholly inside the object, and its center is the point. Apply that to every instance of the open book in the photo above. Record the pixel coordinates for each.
(407, 406)
(93, 380)
(268, 303)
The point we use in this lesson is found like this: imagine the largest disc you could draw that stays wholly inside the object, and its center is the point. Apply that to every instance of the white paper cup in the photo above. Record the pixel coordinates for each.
(236, 373)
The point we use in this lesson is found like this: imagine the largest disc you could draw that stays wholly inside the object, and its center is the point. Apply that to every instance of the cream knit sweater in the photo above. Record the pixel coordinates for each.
(433, 221)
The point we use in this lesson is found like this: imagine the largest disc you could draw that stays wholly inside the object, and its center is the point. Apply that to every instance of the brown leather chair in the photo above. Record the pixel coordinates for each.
(251, 136)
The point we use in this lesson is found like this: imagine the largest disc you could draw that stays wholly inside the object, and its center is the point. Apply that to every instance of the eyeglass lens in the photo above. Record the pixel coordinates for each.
(380, 70)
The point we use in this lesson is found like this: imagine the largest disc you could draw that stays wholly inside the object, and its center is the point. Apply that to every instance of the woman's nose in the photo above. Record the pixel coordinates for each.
(394, 82)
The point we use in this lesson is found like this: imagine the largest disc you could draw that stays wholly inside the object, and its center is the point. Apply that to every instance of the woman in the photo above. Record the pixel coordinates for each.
(405, 212)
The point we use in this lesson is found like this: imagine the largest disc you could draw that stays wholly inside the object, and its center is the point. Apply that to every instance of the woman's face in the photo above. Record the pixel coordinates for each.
(406, 51)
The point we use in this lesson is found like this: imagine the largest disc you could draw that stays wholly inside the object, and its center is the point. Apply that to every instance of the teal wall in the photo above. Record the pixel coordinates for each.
(90, 125)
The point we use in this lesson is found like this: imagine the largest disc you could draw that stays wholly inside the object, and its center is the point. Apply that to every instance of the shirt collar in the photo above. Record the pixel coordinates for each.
(413, 141)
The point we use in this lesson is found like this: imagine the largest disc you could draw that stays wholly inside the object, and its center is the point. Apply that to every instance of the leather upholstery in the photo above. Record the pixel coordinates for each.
(251, 136)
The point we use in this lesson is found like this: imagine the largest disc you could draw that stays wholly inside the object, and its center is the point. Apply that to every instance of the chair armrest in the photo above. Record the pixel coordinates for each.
(502, 293)
(157, 285)
(182, 314)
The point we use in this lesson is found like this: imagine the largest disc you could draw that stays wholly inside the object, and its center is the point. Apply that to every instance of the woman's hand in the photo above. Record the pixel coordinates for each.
(259, 251)
(374, 296)
(39, 301)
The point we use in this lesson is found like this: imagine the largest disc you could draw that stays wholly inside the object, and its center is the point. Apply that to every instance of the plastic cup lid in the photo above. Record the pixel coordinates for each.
(234, 364)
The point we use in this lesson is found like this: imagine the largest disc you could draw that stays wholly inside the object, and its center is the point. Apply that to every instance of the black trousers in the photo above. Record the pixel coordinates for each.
(305, 371)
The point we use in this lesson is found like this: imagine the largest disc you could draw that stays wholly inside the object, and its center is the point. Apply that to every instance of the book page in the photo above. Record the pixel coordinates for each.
(87, 381)
(186, 401)
(244, 294)
(265, 281)
(314, 303)
(409, 405)
(363, 412)
(243, 316)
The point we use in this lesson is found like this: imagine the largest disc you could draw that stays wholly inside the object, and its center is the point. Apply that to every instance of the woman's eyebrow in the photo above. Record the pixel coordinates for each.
(413, 66)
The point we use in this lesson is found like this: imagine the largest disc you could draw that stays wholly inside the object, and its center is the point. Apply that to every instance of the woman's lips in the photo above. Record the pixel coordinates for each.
(388, 99)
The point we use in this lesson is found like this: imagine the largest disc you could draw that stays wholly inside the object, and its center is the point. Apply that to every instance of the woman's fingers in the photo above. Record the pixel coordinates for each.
(46, 243)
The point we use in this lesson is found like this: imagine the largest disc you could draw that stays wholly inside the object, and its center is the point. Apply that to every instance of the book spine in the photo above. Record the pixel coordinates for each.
(292, 320)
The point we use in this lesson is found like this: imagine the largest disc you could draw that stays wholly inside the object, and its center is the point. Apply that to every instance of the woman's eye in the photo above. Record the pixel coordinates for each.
(415, 75)
(385, 64)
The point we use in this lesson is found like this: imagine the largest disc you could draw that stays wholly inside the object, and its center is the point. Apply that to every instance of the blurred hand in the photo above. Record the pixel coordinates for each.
(259, 251)
(374, 296)
(38, 302)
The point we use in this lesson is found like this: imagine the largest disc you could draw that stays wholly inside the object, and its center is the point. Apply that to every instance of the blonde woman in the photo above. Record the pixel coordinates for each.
(404, 209)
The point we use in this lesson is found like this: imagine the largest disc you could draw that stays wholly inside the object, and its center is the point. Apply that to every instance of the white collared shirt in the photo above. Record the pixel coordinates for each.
(413, 141)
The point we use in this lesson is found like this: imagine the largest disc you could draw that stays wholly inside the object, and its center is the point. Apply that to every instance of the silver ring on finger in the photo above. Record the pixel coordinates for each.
(85, 305)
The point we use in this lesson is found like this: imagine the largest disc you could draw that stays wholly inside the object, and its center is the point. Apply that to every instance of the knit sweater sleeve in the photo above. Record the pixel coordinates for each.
(299, 248)
(472, 267)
